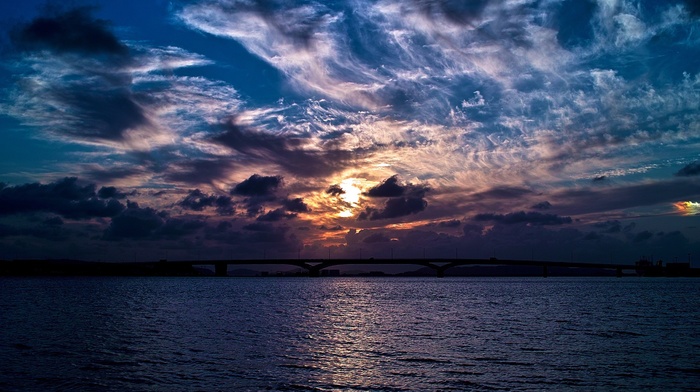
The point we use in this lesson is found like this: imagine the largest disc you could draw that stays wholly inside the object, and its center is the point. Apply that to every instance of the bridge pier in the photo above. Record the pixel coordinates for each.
(618, 272)
(314, 272)
(440, 272)
(221, 269)
(545, 273)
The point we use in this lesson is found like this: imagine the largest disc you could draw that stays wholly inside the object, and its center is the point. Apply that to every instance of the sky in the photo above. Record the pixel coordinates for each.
(214, 129)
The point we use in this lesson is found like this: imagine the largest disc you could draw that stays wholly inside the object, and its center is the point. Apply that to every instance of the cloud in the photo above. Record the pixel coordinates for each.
(691, 169)
(331, 228)
(74, 31)
(89, 96)
(110, 192)
(391, 188)
(335, 190)
(78, 83)
(305, 42)
(587, 200)
(276, 215)
(146, 223)
(197, 200)
(258, 186)
(199, 171)
(394, 208)
(501, 193)
(292, 154)
(376, 237)
(532, 218)
(388, 188)
(296, 205)
(263, 233)
(450, 223)
(135, 222)
(65, 197)
(174, 228)
(545, 205)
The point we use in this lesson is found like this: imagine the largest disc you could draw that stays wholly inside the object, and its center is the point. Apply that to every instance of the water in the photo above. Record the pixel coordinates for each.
(423, 334)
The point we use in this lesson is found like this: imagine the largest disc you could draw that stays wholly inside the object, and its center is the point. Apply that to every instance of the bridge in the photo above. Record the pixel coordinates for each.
(314, 266)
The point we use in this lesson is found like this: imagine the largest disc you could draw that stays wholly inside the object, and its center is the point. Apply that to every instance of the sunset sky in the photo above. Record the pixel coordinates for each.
(149, 129)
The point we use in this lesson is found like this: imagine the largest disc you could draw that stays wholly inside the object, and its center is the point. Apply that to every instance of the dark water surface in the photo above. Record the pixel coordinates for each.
(423, 334)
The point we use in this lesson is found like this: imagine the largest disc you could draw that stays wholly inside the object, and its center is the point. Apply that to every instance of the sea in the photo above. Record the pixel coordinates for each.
(349, 334)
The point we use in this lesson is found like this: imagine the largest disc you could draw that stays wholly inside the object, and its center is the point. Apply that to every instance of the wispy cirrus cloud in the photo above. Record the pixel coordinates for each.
(79, 83)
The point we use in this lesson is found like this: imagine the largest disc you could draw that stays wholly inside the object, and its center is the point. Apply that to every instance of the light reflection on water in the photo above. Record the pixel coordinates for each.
(349, 334)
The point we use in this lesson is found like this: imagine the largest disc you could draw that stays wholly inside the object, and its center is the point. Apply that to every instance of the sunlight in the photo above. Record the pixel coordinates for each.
(352, 192)
(351, 196)
(687, 207)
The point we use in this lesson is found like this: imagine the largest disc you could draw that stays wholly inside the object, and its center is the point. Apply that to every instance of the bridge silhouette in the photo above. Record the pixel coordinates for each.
(314, 266)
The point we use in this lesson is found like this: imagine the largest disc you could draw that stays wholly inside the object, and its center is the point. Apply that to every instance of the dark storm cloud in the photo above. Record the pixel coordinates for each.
(74, 31)
(276, 215)
(533, 218)
(335, 190)
(257, 186)
(388, 188)
(295, 205)
(284, 151)
(260, 227)
(110, 192)
(545, 205)
(394, 208)
(391, 188)
(197, 200)
(135, 222)
(177, 228)
(65, 197)
(691, 169)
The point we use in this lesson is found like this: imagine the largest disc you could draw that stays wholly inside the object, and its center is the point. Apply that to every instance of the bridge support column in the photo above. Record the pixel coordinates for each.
(618, 273)
(440, 273)
(545, 273)
(221, 269)
(315, 272)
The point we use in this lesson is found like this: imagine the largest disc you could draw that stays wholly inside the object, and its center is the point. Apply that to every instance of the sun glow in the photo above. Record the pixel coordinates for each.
(352, 192)
(687, 207)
